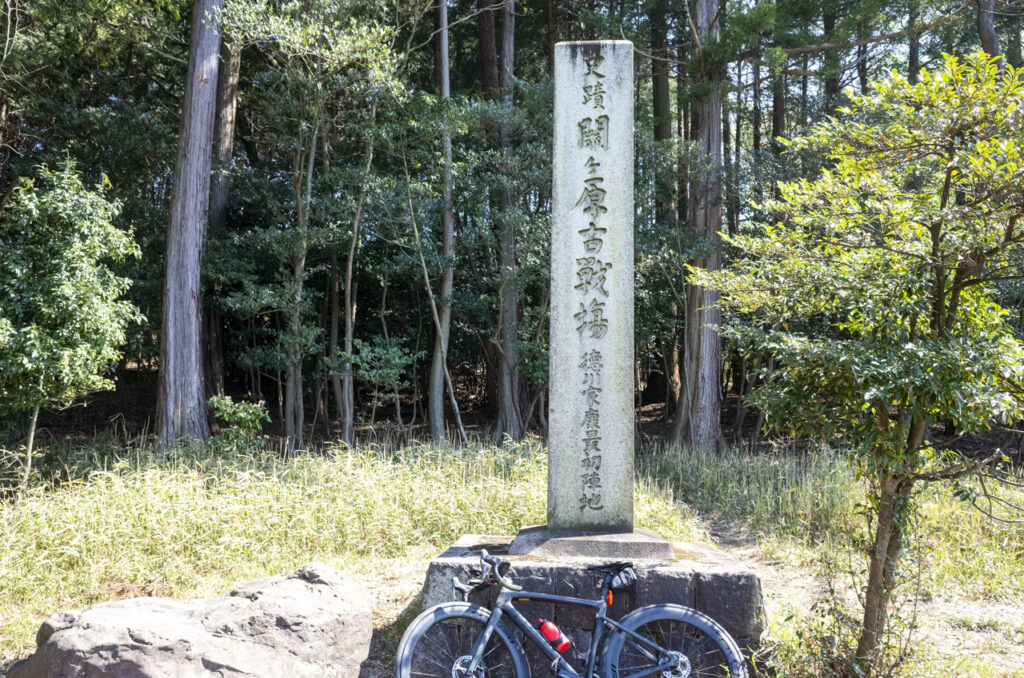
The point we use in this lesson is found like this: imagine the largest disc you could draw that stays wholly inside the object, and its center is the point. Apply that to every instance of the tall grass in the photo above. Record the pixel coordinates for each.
(113, 521)
(810, 506)
(809, 496)
(196, 525)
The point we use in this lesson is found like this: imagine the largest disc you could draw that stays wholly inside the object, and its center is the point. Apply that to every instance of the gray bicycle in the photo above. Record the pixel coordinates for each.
(462, 640)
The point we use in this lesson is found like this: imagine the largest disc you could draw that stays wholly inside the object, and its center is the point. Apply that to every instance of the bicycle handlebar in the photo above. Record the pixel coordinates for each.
(492, 566)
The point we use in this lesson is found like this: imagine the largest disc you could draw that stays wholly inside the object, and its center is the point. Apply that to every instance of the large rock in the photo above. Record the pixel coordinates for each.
(311, 623)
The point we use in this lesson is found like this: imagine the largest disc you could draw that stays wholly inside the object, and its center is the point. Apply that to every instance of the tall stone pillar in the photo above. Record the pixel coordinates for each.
(590, 467)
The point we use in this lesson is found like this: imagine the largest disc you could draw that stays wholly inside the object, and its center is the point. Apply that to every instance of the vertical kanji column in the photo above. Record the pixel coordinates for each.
(590, 464)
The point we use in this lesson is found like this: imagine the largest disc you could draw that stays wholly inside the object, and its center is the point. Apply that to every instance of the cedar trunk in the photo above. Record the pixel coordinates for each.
(987, 28)
(697, 421)
(438, 367)
(664, 194)
(509, 422)
(914, 47)
(220, 186)
(181, 405)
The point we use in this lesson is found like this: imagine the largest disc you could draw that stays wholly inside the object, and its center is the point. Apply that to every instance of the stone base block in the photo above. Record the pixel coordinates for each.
(635, 545)
(696, 575)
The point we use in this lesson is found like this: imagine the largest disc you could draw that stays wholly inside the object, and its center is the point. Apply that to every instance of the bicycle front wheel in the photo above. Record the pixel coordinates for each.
(439, 644)
(684, 642)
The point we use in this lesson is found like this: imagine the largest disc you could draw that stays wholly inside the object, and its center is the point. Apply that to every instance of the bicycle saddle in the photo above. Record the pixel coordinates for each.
(610, 568)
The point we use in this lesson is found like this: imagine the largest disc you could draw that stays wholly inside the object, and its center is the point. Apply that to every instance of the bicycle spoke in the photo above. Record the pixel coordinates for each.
(445, 643)
(705, 658)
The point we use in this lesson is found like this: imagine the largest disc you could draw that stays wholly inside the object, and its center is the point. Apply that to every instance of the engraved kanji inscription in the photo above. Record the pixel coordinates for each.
(594, 94)
(592, 274)
(591, 319)
(594, 132)
(593, 239)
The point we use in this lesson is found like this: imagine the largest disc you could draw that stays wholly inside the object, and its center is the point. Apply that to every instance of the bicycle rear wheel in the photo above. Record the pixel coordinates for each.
(439, 644)
(699, 647)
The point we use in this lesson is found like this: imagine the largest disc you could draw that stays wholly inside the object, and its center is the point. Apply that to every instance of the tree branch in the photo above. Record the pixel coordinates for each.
(912, 30)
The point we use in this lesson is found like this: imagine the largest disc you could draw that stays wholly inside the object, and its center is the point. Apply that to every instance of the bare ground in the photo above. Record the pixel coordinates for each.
(960, 628)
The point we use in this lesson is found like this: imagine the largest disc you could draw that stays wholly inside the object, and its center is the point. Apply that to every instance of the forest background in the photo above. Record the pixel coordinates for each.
(341, 209)
(339, 284)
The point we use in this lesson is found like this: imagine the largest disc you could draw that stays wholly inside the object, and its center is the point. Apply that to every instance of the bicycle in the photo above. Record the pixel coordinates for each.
(463, 640)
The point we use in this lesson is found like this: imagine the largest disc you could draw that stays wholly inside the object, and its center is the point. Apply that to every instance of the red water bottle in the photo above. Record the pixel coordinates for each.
(553, 634)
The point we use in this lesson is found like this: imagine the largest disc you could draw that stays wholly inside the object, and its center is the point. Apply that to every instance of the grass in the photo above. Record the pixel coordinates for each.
(197, 525)
(806, 511)
(806, 508)
(113, 521)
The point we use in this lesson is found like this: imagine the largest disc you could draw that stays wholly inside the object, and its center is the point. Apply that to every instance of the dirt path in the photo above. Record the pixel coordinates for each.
(968, 630)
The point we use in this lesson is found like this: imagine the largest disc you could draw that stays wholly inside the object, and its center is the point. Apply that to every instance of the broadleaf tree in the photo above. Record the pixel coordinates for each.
(62, 318)
(878, 290)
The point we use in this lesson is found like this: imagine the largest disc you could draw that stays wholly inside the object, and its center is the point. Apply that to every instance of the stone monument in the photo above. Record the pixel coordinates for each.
(591, 428)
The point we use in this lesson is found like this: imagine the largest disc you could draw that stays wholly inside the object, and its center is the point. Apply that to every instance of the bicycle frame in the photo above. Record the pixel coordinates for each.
(504, 607)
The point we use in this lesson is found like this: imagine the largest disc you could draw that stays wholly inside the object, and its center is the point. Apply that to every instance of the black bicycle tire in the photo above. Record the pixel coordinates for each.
(446, 612)
(649, 614)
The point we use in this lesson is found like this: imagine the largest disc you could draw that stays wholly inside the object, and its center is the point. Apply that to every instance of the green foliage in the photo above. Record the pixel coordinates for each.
(382, 365)
(62, 319)
(876, 288)
(876, 294)
(244, 420)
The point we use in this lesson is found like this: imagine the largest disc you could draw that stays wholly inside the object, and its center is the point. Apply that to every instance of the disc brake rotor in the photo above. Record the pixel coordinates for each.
(460, 669)
(682, 669)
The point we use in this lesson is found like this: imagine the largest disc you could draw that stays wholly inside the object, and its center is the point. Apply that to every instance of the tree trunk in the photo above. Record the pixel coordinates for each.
(348, 388)
(664, 198)
(755, 123)
(552, 36)
(883, 558)
(778, 112)
(438, 367)
(486, 49)
(672, 361)
(509, 421)
(729, 175)
(734, 185)
(387, 341)
(683, 133)
(220, 185)
(1013, 48)
(832, 66)
(914, 47)
(804, 106)
(697, 421)
(295, 412)
(181, 402)
(862, 62)
(987, 28)
(30, 443)
(333, 333)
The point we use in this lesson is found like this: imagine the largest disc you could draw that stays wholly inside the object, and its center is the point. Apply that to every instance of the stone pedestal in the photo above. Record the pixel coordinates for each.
(636, 544)
(696, 575)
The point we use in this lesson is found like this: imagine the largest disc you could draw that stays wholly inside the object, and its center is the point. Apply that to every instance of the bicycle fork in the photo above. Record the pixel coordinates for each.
(477, 655)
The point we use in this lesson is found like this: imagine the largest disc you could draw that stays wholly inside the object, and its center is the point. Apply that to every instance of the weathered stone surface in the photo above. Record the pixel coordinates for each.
(312, 623)
(697, 576)
(590, 463)
(540, 541)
